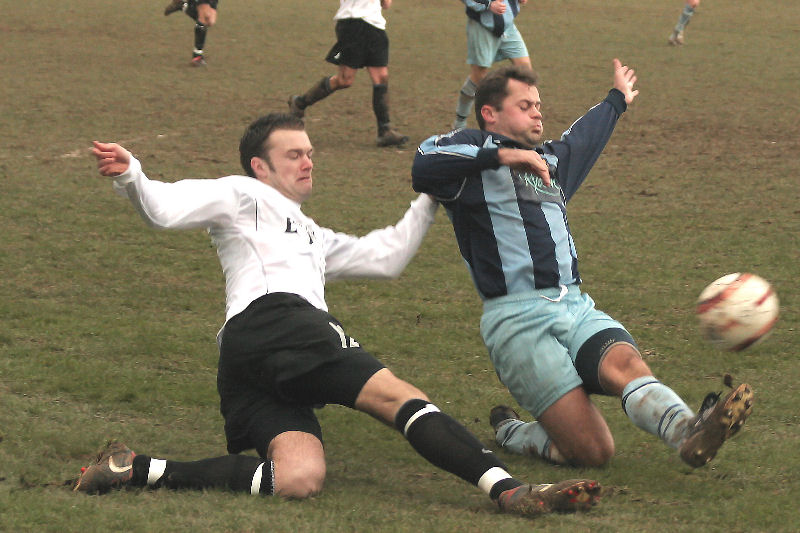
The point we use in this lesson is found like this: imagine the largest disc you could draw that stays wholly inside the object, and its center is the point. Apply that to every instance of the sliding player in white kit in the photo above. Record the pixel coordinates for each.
(281, 353)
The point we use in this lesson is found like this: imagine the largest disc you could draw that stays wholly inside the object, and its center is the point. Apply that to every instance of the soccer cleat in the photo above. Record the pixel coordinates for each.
(113, 469)
(717, 421)
(391, 137)
(173, 6)
(294, 108)
(198, 61)
(676, 38)
(564, 497)
(500, 414)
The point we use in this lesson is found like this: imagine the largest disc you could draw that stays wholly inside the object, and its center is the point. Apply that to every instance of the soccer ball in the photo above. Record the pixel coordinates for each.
(737, 311)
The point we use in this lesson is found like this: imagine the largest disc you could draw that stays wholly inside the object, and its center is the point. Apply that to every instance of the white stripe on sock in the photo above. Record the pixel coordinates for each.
(156, 470)
(255, 485)
(490, 477)
(430, 408)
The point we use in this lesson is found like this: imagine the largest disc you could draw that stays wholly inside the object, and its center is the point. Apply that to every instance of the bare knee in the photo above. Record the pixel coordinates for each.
(299, 464)
(341, 82)
(300, 484)
(206, 15)
(595, 453)
(578, 430)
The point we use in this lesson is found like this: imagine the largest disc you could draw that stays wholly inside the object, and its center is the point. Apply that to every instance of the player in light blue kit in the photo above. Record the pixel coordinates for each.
(676, 37)
(491, 37)
(505, 193)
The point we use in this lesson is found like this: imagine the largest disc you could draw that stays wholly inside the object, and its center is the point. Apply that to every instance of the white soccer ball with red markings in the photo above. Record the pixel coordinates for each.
(737, 311)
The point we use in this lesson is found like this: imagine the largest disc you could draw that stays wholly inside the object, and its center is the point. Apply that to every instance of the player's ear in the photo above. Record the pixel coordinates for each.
(258, 165)
(488, 113)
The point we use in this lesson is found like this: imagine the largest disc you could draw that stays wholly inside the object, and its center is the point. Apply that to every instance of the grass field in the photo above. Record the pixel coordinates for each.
(108, 327)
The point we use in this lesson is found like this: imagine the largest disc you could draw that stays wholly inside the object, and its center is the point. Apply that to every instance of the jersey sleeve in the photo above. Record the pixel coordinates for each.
(443, 163)
(382, 253)
(185, 204)
(581, 145)
(477, 5)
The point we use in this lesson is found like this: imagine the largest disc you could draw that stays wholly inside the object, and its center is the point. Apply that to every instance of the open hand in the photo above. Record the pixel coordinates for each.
(112, 159)
(624, 78)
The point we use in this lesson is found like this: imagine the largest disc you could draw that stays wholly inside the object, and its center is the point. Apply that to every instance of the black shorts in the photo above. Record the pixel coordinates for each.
(279, 358)
(192, 9)
(359, 44)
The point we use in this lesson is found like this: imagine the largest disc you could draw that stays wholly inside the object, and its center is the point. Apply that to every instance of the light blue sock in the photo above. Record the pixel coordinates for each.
(656, 408)
(466, 97)
(686, 15)
(527, 438)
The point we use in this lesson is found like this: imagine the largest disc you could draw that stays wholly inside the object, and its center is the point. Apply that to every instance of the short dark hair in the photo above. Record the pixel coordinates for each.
(493, 88)
(254, 139)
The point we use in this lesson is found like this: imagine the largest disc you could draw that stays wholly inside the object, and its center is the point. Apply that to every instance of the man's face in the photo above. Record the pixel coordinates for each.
(520, 117)
(289, 167)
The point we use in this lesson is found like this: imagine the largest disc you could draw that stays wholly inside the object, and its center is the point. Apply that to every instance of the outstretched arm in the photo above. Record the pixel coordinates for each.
(382, 253)
(182, 205)
(112, 159)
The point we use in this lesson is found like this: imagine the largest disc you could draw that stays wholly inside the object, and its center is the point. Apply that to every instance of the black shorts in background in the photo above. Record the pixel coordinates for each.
(359, 44)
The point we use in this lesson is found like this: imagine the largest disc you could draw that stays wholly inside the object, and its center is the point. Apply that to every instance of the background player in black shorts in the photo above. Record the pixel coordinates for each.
(204, 14)
(361, 41)
(281, 352)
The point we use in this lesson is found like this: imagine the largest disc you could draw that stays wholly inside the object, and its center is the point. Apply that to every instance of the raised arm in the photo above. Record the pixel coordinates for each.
(584, 141)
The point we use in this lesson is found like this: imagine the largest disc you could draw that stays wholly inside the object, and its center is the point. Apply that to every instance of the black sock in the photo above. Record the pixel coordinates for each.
(199, 38)
(233, 472)
(504, 485)
(444, 442)
(380, 106)
(318, 91)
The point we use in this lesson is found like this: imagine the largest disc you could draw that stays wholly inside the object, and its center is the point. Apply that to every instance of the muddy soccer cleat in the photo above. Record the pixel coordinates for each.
(717, 421)
(391, 137)
(198, 61)
(675, 38)
(113, 469)
(500, 414)
(564, 497)
(173, 6)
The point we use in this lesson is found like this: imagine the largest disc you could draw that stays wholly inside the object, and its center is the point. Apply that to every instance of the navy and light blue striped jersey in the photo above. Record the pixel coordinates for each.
(478, 10)
(512, 231)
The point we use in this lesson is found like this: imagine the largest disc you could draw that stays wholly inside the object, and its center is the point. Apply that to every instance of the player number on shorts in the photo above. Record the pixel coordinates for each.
(347, 342)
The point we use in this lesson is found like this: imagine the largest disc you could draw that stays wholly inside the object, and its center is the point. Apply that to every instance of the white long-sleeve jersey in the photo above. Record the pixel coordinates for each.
(368, 10)
(264, 241)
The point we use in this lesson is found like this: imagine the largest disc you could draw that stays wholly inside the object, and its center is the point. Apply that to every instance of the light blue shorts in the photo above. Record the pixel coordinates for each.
(484, 49)
(533, 342)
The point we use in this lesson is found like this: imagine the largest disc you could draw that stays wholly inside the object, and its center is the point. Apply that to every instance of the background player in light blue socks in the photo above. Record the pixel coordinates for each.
(676, 38)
